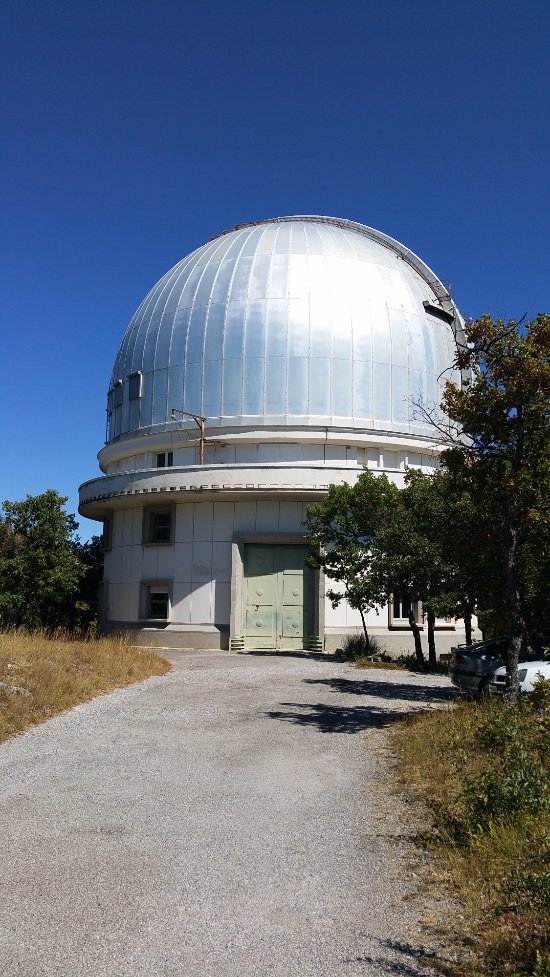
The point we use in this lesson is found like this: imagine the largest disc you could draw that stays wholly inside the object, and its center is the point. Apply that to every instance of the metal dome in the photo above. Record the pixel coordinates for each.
(291, 321)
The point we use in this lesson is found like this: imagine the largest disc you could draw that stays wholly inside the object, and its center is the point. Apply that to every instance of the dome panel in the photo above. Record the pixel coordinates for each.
(303, 320)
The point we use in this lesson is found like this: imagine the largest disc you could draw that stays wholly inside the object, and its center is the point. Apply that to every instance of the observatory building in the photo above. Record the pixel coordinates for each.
(277, 359)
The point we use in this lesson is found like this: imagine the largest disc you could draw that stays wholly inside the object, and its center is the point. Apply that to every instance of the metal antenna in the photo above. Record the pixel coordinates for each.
(199, 421)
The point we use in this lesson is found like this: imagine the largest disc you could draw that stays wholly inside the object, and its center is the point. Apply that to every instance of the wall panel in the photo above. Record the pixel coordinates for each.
(203, 521)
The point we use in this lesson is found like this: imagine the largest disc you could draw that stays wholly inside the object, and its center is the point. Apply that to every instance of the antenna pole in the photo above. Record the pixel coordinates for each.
(199, 421)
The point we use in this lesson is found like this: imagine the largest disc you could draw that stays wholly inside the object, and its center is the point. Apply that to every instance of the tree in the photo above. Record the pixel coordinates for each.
(411, 555)
(377, 540)
(39, 569)
(91, 555)
(435, 549)
(496, 434)
(344, 530)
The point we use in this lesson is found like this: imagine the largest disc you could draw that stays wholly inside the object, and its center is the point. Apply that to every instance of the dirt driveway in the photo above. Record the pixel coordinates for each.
(227, 820)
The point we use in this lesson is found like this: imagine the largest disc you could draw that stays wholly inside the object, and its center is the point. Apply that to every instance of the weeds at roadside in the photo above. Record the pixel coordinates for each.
(41, 675)
(483, 772)
(354, 648)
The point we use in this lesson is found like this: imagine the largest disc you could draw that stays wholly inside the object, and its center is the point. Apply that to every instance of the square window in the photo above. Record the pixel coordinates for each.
(400, 608)
(161, 525)
(165, 459)
(134, 386)
(157, 526)
(155, 601)
(158, 604)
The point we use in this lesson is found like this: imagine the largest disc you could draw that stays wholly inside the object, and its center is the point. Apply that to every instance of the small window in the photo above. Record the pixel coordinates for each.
(402, 606)
(134, 386)
(445, 622)
(106, 534)
(400, 609)
(156, 601)
(165, 459)
(158, 604)
(157, 526)
(117, 394)
(161, 525)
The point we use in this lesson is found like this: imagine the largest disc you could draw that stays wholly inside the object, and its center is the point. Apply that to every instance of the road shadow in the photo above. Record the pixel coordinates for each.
(410, 961)
(357, 718)
(317, 656)
(385, 690)
(335, 719)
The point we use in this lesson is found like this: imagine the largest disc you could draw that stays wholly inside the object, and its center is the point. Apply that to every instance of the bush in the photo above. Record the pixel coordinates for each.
(528, 886)
(519, 783)
(483, 769)
(411, 663)
(540, 696)
(354, 647)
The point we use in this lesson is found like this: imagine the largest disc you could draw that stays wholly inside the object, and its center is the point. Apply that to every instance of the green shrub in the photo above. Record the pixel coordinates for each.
(354, 646)
(483, 769)
(540, 967)
(521, 787)
(519, 782)
(411, 663)
(540, 696)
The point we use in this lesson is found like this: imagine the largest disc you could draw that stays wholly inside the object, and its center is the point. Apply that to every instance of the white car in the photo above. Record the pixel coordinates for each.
(528, 673)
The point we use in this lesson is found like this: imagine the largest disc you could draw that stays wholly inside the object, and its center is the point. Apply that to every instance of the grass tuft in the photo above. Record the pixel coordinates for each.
(41, 675)
(354, 648)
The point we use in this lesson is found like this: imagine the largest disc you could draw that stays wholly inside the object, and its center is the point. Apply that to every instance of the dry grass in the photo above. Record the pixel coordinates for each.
(42, 676)
(500, 927)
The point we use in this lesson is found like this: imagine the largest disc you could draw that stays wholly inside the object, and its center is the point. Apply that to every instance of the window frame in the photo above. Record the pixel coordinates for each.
(167, 459)
(396, 622)
(445, 623)
(118, 394)
(132, 377)
(149, 588)
(149, 536)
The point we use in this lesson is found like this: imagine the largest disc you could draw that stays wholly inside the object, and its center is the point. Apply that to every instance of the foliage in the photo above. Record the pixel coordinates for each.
(476, 534)
(343, 530)
(518, 783)
(498, 442)
(91, 555)
(425, 541)
(483, 771)
(529, 885)
(39, 569)
(540, 696)
(431, 549)
(355, 647)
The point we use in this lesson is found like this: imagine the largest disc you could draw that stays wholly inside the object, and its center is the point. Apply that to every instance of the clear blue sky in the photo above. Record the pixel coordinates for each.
(134, 130)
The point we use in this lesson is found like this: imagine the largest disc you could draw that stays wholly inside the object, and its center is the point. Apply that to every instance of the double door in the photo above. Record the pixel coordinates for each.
(278, 596)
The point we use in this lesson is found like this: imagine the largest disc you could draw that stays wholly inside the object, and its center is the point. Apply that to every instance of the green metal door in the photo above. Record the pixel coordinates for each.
(278, 596)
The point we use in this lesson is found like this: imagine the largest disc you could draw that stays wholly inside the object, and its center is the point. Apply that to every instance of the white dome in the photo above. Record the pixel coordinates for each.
(291, 321)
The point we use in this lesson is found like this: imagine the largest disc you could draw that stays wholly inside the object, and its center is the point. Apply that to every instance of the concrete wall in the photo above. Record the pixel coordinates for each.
(197, 569)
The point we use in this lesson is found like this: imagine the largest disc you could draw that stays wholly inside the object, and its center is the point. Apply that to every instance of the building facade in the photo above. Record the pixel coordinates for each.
(277, 359)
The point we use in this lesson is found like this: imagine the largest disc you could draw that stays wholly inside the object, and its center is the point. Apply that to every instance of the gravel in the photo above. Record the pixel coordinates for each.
(229, 819)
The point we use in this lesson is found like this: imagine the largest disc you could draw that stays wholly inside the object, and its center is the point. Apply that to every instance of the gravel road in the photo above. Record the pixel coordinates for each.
(229, 819)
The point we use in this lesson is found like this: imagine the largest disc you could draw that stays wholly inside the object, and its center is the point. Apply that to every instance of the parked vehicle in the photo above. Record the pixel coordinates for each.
(528, 674)
(471, 666)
